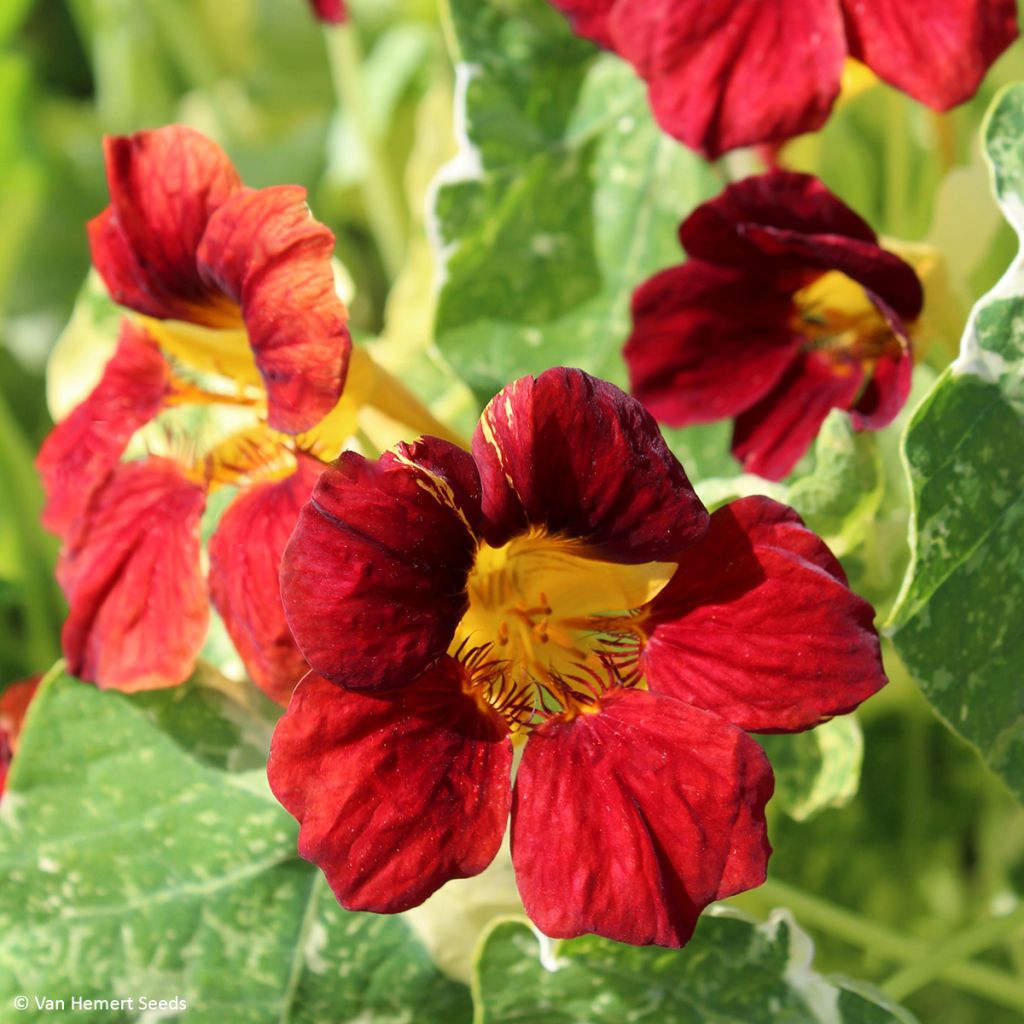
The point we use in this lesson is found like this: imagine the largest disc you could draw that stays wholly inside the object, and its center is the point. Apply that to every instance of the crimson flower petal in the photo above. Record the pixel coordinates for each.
(578, 457)
(14, 704)
(885, 393)
(395, 794)
(131, 574)
(164, 186)
(770, 437)
(82, 449)
(331, 11)
(374, 577)
(266, 252)
(759, 626)
(245, 562)
(707, 342)
(589, 18)
(728, 73)
(936, 50)
(719, 230)
(627, 822)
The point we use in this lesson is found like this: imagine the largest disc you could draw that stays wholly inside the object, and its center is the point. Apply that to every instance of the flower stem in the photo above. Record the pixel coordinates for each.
(382, 193)
(954, 951)
(897, 166)
(816, 913)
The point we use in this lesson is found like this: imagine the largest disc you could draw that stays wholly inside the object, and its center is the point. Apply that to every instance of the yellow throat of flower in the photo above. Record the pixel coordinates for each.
(548, 620)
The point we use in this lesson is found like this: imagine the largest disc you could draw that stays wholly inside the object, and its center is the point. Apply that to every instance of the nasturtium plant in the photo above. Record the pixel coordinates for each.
(486, 435)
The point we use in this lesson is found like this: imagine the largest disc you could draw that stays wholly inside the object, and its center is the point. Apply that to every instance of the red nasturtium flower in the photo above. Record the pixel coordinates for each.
(14, 704)
(729, 73)
(232, 311)
(333, 12)
(563, 586)
(787, 308)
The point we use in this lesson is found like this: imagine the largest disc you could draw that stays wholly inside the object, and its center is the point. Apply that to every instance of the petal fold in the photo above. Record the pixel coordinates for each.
(758, 625)
(577, 457)
(374, 577)
(264, 250)
(395, 794)
(164, 187)
(629, 821)
(130, 571)
(244, 577)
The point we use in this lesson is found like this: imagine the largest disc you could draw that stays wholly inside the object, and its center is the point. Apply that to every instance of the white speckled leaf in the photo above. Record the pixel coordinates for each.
(957, 623)
(563, 198)
(133, 867)
(733, 970)
(817, 769)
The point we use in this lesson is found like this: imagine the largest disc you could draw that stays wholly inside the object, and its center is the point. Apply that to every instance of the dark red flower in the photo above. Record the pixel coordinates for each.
(230, 279)
(729, 73)
(333, 12)
(787, 308)
(14, 702)
(561, 586)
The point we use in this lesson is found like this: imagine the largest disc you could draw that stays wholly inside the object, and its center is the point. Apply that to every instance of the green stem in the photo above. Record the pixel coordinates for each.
(994, 985)
(385, 203)
(897, 166)
(915, 788)
(954, 951)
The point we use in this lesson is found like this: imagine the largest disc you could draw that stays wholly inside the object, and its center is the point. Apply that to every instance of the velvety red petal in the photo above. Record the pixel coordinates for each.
(719, 230)
(759, 626)
(936, 50)
(707, 342)
(331, 11)
(374, 577)
(729, 73)
(164, 186)
(395, 794)
(14, 702)
(244, 577)
(886, 392)
(578, 457)
(264, 249)
(589, 18)
(83, 448)
(629, 821)
(770, 437)
(130, 571)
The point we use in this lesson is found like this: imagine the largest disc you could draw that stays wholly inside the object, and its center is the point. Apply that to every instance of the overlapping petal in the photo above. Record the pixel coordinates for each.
(395, 794)
(374, 577)
(130, 571)
(606, 478)
(683, 354)
(629, 820)
(728, 73)
(81, 451)
(164, 187)
(245, 562)
(759, 627)
(936, 50)
(263, 249)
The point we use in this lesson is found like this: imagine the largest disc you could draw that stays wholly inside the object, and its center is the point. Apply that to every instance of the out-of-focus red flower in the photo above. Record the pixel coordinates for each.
(787, 308)
(561, 586)
(234, 319)
(14, 704)
(729, 73)
(333, 12)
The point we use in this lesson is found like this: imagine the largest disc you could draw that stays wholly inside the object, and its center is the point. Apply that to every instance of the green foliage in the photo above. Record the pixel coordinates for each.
(142, 854)
(733, 970)
(957, 622)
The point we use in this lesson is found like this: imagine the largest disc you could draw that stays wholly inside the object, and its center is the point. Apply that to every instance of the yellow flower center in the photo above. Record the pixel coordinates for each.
(838, 319)
(547, 620)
